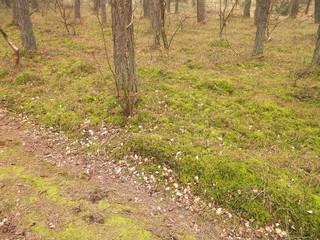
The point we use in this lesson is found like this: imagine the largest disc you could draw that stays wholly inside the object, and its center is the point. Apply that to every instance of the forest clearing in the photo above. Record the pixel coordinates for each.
(190, 132)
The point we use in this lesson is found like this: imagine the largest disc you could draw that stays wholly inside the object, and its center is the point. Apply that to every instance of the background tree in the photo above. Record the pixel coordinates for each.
(316, 54)
(247, 8)
(257, 12)
(103, 11)
(169, 6)
(261, 27)
(27, 36)
(307, 7)
(35, 5)
(317, 11)
(146, 8)
(123, 53)
(176, 8)
(15, 17)
(201, 10)
(294, 8)
(77, 9)
(155, 10)
(163, 19)
(96, 5)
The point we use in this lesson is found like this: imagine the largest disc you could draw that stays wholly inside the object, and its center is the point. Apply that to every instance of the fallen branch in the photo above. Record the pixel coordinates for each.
(13, 46)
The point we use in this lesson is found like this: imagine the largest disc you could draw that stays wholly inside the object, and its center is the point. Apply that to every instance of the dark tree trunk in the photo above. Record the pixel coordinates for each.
(201, 10)
(317, 11)
(257, 12)
(123, 51)
(8, 3)
(169, 6)
(27, 36)
(155, 10)
(15, 17)
(163, 29)
(96, 5)
(176, 9)
(316, 54)
(308, 6)
(77, 9)
(146, 8)
(247, 8)
(35, 4)
(295, 8)
(103, 11)
(261, 27)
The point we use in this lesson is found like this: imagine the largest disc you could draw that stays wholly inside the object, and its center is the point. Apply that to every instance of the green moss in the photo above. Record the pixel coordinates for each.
(219, 86)
(28, 77)
(3, 73)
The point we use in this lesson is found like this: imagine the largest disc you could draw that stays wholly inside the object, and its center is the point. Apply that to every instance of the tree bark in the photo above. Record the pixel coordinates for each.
(15, 17)
(317, 11)
(201, 10)
(247, 8)
(77, 13)
(155, 9)
(103, 11)
(169, 6)
(35, 4)
(316, 54)
(27, 36)
(163, 29)
(307, 8)
(257, 12)
(146, 8)
(261, 27)
(295, 8)
(96, 5)
(176, 9)
(123, 52)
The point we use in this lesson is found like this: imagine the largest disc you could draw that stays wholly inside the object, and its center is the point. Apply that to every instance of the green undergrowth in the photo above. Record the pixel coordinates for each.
(248, 130)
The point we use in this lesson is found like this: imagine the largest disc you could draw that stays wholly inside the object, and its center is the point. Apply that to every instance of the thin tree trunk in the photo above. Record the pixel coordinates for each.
(257, 12)
(307, 8)
(15, 17)
(163, 30)
(169, 6)
(316, 54)
(317, 11)
(155, 9)
(123, 52)
(261, 27)
(176, 9)
(8, 3)
(247, 7)
(146, 8)
(96, 5)
(27, 36)
(77, 13)
(201, 10)
(35, 4)
(294, 9)
(103, 11)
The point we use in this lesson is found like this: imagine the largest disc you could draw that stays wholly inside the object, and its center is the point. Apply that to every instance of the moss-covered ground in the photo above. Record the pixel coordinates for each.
(242, 132)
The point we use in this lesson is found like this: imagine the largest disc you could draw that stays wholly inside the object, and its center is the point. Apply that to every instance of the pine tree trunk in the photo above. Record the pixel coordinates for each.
(155, 10)
(257, 12)
(169, 6)
(123, 52)
(176, 9)
(317, 11)
(35, 4)
(77, 9)
(316, 54)
(261, 27)
(295, 8)
(103, 11)
(201, 10)
(146, 8)
(27, 36)
(15, 17)
(307, 8)
(247, 8)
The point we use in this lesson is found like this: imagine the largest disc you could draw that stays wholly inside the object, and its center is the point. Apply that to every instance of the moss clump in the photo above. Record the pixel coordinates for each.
(28, 77)
(219, 86)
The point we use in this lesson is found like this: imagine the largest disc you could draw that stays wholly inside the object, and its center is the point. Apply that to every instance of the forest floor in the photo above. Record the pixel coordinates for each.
(215, 132)
(47, 194)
